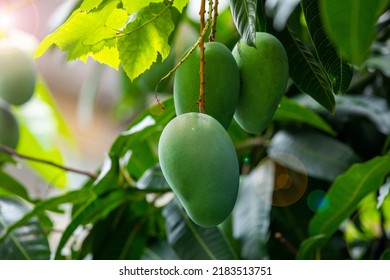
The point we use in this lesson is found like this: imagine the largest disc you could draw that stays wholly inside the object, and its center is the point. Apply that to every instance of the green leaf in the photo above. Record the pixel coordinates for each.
(43, 131)
(88, 5)
(11, 187)
(351, 24)
(322, 156)
(386, 255)
(261, 16)
(244, 14)
(291, 110)
(373, 108)
(135, 147)
(122, 234)
(346, 192)
(339, 71)
(379, 63)
(159, 250)
(135, 5)
(74, 197)
(251, 214)
(153, 180)
(144, 37)
(92, 211)
(192, 242)
(305, 71)
(180, 4)
(89, 34)
(27, 242)
(309, 247)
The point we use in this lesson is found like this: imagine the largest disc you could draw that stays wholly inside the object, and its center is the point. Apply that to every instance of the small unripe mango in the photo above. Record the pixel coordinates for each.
(222, 83)
(17, 74)
(199, 162)
(9, 128)
(264, 75)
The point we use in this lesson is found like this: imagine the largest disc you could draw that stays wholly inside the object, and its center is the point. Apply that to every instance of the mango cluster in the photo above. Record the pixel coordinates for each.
(17, 85)
(197, 156)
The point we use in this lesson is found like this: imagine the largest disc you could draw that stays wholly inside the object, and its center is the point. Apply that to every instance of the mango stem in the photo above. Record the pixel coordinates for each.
(214, 24)
(201, 101)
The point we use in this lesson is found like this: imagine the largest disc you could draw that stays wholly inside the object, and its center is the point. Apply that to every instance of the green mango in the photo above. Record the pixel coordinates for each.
(199, 162)
(222, 86)
(264, 75)
(17, 74)
(9, 128)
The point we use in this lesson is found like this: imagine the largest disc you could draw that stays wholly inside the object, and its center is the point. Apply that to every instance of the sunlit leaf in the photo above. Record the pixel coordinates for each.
(89, 34)
(132, 6)
(43, 132)
(244, 14)
(144, 37)
(351, 24)
(88, 5)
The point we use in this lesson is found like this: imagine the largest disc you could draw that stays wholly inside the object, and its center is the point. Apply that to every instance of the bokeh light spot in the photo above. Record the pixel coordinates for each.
(316, 200)
(6, 20)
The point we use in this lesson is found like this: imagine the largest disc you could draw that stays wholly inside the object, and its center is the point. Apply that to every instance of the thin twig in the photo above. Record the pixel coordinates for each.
(193, 48)
(201, 101)
(279, 236)
(12, 152)
(214, 25)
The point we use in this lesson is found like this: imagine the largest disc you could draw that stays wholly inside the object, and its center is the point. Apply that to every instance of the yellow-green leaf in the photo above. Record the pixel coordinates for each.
(132, 6)
(89, 34)
(41, 131)
(88, 5)
(145, 36)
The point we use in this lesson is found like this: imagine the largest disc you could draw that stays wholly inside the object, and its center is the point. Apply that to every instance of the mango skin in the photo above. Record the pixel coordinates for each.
(264, 75)
(9, 128)
(17, 74)
(222, 86)
(200, 164)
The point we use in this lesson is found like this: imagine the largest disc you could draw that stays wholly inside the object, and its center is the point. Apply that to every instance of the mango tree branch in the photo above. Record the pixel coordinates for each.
(12, 152)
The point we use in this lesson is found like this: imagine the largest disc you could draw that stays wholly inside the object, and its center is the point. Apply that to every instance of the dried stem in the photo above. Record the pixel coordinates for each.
(279, 236)
(201, 101)
(214, 25)
(12, 152)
